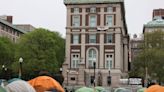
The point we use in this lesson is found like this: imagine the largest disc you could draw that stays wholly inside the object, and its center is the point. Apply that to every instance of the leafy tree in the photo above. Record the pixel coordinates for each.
(40, 50)
(6, 51)
(150, 59)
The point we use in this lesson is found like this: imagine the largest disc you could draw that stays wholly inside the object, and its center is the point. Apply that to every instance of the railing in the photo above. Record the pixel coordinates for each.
(90, 1)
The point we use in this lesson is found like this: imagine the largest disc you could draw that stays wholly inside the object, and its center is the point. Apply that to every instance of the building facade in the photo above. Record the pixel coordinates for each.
(25, 27)
(135, 48)
(7, 29)
(96, 43)
(156, 24)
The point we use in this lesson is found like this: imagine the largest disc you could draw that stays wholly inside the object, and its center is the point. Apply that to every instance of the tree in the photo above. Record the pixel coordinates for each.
(149, 61)
(6, 51)
(40, 50)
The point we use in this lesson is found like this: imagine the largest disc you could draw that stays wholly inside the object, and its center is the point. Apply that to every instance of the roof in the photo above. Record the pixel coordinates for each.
(155, 23)
(90, 1)
(12, 26)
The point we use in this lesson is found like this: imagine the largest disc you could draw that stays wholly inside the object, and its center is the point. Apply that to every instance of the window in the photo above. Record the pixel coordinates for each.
(3, 27)
(76, 10)
(76, 21)
(110, 9)
(109, 80)
(91, 57)
(109, 61)
(75, 61)
(75, 39)
(72, 78)
(92, 21)
(92, 38)
(93, 10)
(109, 20)
(109, 38)
(92, 79)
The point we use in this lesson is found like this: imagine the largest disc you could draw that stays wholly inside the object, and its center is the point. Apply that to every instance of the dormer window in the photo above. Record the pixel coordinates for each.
(76, 10)
(93, 10)
(110, 9)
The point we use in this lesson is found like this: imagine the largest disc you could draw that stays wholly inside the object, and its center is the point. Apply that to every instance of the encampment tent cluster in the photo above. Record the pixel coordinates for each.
(38, 84)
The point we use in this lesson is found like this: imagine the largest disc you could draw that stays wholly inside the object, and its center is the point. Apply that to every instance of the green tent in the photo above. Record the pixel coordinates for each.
(86, 89)
(122, 90)
(141, 90)
(2, 89)
(100, 89)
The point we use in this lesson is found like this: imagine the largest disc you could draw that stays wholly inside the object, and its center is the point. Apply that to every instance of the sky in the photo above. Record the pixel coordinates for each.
(51, 14)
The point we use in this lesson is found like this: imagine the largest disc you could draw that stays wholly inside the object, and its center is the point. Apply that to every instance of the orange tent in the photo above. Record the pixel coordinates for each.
(155, 88)
(44, 83)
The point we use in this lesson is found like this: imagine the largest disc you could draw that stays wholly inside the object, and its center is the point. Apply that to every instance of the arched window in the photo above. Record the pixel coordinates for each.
(91, 57)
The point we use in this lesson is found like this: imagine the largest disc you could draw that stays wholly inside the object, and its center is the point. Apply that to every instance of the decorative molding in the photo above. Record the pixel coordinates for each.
(75, 50)
(90, 1)
(111, 50)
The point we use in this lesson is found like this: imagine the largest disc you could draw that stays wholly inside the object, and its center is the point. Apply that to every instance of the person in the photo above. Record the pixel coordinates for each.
(66, 90)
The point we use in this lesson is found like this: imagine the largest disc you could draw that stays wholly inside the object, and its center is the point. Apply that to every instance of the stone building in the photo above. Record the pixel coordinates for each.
(7, 29)
(25, 27)
(97, 43)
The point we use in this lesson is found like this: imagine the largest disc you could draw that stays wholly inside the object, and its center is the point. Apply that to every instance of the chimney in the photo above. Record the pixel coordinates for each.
(7, 18)
(10, 19)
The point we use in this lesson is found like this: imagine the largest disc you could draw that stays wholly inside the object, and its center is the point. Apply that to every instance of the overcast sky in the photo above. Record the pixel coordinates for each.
(51, 14)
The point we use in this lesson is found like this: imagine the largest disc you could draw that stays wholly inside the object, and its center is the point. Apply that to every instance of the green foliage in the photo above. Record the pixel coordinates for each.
(40, 50)
(6, 51)
(151, 57)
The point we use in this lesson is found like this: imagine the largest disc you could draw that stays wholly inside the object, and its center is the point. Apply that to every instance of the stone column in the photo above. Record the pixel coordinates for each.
(118, 54)
(125, 58)
(101, 52)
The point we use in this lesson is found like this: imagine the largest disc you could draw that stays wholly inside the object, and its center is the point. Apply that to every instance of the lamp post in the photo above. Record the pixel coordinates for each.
(109, 78)
(77, 73)
(20, 67)
(61, 70)
(99, 78)
(94, 65)
(3, 71)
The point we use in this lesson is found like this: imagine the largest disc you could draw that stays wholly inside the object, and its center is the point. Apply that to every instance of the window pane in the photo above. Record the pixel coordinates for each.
(75, 39)
(92, 57)
(110, 63)
(92, 21)
(93, 10)
(109, 20)
(107, 64)
(90, 63)
(76, 21)
(110, 9)
(92, 38)
(109, 38)
(76, 10)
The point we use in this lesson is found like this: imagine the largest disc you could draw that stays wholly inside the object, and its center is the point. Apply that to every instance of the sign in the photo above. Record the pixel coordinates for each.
(135, 81)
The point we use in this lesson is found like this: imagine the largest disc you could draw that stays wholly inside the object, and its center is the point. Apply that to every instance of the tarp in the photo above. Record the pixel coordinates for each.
(155, 88)
(19, 86)
(44, 83)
